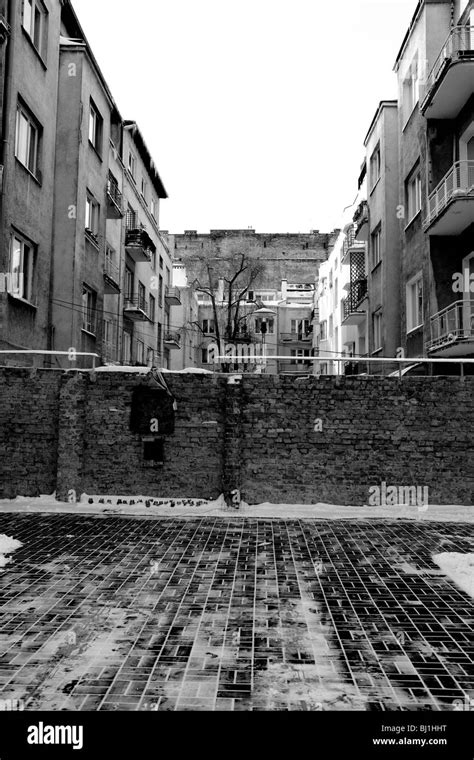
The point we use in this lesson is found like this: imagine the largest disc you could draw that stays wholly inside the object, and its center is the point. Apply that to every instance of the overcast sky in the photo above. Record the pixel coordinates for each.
(255, 111)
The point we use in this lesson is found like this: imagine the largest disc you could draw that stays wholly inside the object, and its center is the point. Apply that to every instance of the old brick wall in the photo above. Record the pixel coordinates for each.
(72, 432)
(29, 414)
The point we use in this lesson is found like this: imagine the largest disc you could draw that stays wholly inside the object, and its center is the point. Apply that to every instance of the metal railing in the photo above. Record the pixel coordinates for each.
(114, 193)
(72, 354)
(454, 322)
(111, 270)
(137, 302)
(351, 242)
(457, 182)
(172, 337)
(364, 360)
(460, 39)
(172, 292)
(301, 335)
(357, 291)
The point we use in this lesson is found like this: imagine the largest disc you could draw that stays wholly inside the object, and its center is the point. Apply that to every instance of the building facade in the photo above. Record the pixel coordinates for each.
(435, 70)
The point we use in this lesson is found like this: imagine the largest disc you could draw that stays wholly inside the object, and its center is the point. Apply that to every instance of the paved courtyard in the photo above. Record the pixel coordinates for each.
(127, 613)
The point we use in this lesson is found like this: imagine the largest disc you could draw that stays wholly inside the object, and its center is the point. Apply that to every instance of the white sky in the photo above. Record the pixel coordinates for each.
(255, 111)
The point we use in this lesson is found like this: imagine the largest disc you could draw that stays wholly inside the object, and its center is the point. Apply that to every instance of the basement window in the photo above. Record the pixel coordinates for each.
(153, 450)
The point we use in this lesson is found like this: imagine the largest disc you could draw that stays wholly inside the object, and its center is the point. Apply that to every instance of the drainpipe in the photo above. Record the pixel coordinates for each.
(6, 41)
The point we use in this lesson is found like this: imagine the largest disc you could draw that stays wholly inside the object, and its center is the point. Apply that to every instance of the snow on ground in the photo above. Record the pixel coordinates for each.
(7, 546)
(458, 567)
(188, 507)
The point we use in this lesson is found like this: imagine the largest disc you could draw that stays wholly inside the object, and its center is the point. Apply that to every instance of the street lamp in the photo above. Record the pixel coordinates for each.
(264, 314)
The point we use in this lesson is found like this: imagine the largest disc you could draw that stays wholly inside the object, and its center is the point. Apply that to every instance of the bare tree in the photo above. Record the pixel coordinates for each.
(227, 286)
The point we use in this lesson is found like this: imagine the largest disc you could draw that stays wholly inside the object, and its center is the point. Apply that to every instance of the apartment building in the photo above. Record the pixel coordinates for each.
(184, 318)
(435, 69)
(147, 271)
(382, 236)
(83, 265)
(275, 330)
(339, 303)
(29, 38)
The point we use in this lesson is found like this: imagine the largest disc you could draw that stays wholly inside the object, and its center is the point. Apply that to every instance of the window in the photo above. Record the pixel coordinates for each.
(376, 246)
(414, 295)
(300, 327)
(270, 324)
(160, 290)
(35, 23)
(411, 88)
(413, 194)
(161, 262)
(89, 298)
(92, 216)
(377, 325)
(141, 296)
(22, 263)
(144, 189)
(204, 356)
(330, 325)
(168, 277)
(323, 330)
(95, 127)
(154, 209)
(129, 283)
(154, 450)
(298, 355)
(152, 309)
(140, 359)
(250, 295)
(132, 164)
(159, 332)
(375, 167)
(108, 331)
(127, 348)
(27, 139)
(208, 326)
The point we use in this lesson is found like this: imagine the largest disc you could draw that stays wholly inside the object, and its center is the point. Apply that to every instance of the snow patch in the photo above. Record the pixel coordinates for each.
(459, 567)
(7, 546)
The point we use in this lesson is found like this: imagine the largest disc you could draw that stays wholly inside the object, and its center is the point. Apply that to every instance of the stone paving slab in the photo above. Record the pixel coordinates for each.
(122, 613)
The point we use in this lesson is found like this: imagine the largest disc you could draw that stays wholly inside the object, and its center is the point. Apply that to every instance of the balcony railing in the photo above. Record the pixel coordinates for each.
(361, 219)
(458, 47)
(136, 308)
(138, 243)
(357, 292)
(112, 276)
(302, 336)
(172, 296)
(238, 336)
(114, 200)
(351, 243)
(456, 185)
(452, 324)
(172, 340)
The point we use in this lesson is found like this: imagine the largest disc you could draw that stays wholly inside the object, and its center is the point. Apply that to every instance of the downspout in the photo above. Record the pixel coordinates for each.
(6, 99)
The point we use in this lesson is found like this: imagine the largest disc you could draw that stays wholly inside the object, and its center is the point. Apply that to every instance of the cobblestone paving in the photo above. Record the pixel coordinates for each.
(120, 613)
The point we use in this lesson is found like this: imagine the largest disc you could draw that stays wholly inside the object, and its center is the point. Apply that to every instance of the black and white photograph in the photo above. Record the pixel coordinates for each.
(237, 374)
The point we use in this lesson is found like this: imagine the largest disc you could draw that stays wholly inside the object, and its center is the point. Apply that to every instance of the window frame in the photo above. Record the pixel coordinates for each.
(92, 213)
(30, 162)
(413, 179)
(411, 302)
(376, 235)
(37, 38)
(132, 164)
(377, 331)
(89, 325)
(97, 122)
(376, 153)
(24, 289)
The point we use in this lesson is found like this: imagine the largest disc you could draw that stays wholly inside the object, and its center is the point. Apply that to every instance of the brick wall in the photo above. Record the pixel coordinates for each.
(72, 432)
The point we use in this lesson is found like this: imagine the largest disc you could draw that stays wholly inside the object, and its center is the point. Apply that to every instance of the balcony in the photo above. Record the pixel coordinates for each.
(295, 367)
(111, 278)
(351, 244)
(361, 221)
(353, 314)
(302, 336)
(138, 243)
(114, 200)
(172, 296)
(136, 309)
(449, 84)
(452, 330)
(172, 340)
(451, 204)
(238, 336)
